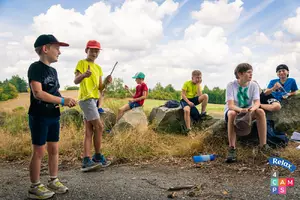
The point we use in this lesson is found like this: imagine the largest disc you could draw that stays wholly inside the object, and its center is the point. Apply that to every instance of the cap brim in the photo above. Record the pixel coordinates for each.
(63, 44)
(94, 47)
(134, 77)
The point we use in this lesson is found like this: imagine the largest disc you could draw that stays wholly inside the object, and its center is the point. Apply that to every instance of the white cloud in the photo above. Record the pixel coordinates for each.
(257, 38)
(247, 52)
(219, 12)
(292, 24)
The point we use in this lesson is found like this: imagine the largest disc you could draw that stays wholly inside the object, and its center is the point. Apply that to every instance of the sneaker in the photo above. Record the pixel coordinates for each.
(88, 165)
(100, 110)
(57, 187)
(231, 155)
(99, 158)
(39, 192)
(267, 151)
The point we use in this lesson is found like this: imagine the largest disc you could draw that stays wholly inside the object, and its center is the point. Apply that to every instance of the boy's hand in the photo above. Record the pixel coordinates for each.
(277, 86)
(88, 72)
(108, 79)
(191, 104)
(131, 100)
(126, 87)
(244, 110)
(69, 102)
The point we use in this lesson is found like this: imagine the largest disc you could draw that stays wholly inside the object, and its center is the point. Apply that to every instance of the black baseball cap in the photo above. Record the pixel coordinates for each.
(282, 66)
(48, 39)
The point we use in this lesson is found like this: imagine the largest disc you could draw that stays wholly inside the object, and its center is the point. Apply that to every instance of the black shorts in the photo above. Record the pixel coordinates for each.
(195, 101)
(267, 99)
(43, 129)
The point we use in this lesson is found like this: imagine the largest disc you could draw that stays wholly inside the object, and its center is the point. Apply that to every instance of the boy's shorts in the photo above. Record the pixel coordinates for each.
(195, 101)
(90, 109)
(44, 129)
(267, 99)
(134, 105)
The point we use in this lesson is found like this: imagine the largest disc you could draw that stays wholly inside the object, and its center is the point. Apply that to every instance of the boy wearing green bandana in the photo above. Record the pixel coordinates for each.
(242, 96)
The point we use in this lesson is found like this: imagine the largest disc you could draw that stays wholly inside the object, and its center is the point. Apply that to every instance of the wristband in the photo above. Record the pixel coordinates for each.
(62, 101)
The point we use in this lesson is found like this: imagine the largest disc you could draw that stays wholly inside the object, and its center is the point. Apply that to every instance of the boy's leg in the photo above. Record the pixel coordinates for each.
(271, 107)
(122, 110)
(87, 143)
(230, 116)
(230, 128)
(260, 117)
(204, 100)
(187, 117)
(35, 163)
(52, 148)
(98, 126)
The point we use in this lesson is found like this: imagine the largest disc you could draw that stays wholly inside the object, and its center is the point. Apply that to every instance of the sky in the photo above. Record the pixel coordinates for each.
(165, 39)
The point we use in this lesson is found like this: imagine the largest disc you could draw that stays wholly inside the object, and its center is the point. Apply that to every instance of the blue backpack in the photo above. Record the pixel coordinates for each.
(172, 104)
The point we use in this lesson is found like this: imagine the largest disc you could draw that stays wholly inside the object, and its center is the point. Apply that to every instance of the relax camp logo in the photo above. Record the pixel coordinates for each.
(278, 184)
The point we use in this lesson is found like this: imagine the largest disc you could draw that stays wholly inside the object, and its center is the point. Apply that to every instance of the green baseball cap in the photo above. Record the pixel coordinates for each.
(139, 75)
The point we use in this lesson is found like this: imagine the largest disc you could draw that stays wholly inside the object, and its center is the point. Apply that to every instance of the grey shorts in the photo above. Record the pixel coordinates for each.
(89, 108)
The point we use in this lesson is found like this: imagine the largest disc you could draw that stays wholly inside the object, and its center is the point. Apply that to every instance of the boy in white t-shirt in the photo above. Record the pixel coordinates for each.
(242, 96)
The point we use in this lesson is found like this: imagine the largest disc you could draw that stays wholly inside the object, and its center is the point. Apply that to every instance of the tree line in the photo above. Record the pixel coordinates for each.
(10, 88)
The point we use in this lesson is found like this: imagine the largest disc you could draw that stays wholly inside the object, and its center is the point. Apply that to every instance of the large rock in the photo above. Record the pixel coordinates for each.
(132, 119)
(171, 120)
(74, 116)
(288, 118)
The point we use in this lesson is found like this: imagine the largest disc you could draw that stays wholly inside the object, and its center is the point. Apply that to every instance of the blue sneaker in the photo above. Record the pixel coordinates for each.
(99, 158)
(88, 165)
(100, 110)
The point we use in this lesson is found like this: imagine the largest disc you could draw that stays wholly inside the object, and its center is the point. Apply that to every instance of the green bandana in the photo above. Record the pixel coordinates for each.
(242, 97)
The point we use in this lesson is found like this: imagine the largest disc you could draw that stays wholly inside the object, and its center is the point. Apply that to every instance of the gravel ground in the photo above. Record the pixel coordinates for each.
(213, 180)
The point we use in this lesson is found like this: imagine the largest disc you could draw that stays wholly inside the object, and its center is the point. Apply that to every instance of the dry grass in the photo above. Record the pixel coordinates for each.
(129, 146)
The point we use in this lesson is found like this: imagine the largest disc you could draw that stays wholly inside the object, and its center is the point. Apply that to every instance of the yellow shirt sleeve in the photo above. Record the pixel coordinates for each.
(185, 86)
(79, 67)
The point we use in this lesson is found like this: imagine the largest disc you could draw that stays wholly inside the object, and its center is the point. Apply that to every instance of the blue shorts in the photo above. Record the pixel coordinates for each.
(195, 101)
(134, 105)
(43, 129)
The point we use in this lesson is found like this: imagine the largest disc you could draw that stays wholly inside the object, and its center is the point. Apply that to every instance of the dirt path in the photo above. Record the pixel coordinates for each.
(148, 181)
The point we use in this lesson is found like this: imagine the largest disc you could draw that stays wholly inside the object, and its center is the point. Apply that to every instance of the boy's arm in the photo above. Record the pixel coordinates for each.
(199, 92)
(79, 76)
(145, 93)
(183, 94)
(255, 106)
(107, 81)
(39, 94)
(231, 106)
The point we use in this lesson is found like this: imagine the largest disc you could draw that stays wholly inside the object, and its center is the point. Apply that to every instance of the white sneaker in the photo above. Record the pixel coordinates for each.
(39, 192)
(57, 187)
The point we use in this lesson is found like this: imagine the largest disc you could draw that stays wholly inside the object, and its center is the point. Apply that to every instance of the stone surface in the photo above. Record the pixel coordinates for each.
(132, 119)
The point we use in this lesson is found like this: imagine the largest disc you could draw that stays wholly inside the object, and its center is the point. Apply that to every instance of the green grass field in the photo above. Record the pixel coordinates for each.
(216, 110)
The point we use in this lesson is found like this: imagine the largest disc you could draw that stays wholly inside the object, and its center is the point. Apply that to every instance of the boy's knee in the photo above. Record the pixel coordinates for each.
(260, 112)
(204, 96)
(231, 114)
(39, 152)
(277, 107)
(186, 110)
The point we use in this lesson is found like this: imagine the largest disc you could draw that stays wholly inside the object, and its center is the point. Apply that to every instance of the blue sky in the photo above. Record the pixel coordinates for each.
(249, 37)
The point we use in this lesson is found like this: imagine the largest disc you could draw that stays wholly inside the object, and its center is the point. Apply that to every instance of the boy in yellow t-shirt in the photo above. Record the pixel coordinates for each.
(89, 75)
(192, 96)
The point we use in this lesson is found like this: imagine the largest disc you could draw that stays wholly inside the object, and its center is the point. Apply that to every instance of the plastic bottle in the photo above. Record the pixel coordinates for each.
(204, 158)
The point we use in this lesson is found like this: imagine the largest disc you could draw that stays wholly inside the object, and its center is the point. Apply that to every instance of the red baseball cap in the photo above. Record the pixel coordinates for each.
(93, 44)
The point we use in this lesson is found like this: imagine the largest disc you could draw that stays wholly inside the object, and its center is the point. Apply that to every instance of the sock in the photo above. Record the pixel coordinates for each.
(35, 184)
(52, 178)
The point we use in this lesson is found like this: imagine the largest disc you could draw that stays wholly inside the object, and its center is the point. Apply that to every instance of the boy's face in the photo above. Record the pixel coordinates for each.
(138, 80)
(282, 74)
(52, 52)
(197, 79)
(246, 76)
(92, 54)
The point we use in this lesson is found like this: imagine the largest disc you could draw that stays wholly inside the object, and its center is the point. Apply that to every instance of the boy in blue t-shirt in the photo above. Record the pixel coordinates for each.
(280, 88)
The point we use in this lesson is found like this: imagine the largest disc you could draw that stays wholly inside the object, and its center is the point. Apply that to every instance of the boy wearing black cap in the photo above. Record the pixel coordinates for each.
(283, 87)
(44, 116)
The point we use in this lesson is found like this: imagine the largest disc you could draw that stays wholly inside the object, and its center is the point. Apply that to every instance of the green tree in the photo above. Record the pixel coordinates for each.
(20, 84)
